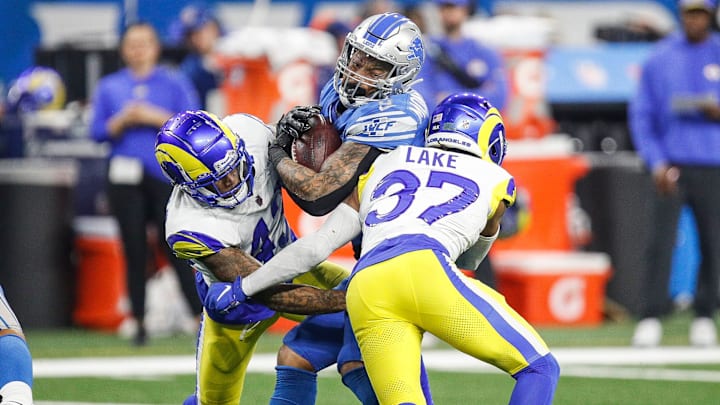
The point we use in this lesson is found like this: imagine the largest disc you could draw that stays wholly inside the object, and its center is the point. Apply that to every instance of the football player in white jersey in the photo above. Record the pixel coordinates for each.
(371, 102)
(226, 216)
(423, 212)
(16, 373)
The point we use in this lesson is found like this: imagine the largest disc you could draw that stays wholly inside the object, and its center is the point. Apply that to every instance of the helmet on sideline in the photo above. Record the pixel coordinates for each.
(468, 122)
(196, 149)
(391, 38)
(37, 88)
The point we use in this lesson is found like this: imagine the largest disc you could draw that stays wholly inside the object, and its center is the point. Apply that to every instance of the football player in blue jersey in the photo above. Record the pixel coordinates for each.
(16, 374)
(371, 102)
(225, 215)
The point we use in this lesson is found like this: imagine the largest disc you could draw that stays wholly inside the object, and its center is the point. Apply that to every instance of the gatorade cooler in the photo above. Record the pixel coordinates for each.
(101, 300)
(554, 287)
(546, 171)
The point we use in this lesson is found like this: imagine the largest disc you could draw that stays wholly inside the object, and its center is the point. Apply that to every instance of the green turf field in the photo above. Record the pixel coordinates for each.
(677, 383)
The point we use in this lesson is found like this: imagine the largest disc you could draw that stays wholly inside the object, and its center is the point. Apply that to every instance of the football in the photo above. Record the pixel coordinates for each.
(316, 144)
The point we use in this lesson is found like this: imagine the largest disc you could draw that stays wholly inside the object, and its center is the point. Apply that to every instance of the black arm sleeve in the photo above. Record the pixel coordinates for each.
(324, 205)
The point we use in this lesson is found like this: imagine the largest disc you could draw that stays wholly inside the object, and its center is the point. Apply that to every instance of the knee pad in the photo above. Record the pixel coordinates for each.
(537, 382)
(546, 365)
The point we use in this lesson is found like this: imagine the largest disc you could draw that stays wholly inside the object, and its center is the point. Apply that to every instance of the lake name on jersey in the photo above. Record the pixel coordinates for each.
(436, 158)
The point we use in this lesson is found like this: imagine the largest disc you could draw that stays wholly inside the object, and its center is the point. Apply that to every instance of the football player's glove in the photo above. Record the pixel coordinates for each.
(241, 313)
(224, 297)
(294, 123)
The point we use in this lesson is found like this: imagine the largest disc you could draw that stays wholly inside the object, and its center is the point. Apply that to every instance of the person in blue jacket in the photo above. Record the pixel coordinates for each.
(675, 125)
(129, 107)
(457, 63)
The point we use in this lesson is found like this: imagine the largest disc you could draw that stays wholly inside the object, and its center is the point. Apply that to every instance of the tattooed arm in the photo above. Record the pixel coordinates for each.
(230, 262)
(338, 171)
(302, 299)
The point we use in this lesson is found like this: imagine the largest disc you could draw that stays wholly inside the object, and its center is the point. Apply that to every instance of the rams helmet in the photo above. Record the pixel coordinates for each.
(37, 88)
(196, 149)
(468, 122)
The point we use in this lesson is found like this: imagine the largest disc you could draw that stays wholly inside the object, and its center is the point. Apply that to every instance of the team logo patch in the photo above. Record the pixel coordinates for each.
(417, 50)
(230, 157)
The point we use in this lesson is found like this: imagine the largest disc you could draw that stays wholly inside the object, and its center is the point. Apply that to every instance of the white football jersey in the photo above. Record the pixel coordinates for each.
(257, 226)
(444, 195)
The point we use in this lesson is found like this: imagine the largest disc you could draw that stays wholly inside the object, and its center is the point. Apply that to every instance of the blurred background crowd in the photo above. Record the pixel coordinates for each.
(563, 73)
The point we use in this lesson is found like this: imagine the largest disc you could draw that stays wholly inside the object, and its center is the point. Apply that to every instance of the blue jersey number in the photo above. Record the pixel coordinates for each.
(263, 247)
(405, 195)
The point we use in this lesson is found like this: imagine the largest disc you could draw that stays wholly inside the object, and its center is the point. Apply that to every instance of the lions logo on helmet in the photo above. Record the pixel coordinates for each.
(469, 123)
(37, 88)
(196, 149)
(390, 38)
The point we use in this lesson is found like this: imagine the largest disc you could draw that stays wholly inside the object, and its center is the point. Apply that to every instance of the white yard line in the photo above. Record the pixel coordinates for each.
(79, 403)
(573, 361)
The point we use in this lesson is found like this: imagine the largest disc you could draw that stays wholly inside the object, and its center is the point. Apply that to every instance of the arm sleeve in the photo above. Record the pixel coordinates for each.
(340, 227)
(471, 258)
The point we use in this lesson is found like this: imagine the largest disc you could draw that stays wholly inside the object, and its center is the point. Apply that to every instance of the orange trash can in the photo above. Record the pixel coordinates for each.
(101, 294)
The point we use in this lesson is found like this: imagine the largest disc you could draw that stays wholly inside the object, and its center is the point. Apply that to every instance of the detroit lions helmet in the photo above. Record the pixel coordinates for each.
(37, 88)
(391, 38)
(468, 122)
(196, 149)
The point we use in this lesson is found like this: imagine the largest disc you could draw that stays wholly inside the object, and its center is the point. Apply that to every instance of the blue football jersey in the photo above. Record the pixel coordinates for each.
(400, 119)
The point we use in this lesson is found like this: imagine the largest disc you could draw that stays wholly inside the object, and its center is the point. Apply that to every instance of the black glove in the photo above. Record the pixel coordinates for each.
(294, 123)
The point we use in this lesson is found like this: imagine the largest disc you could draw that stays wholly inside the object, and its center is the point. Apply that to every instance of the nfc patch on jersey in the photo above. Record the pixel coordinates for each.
(193, 245)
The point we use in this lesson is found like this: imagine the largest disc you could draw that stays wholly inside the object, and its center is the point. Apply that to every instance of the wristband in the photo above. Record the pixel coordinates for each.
(276, 153)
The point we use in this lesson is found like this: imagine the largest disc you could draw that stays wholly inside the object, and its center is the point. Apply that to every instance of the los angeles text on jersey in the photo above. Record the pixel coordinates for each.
(435, 158)
(455, 141)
